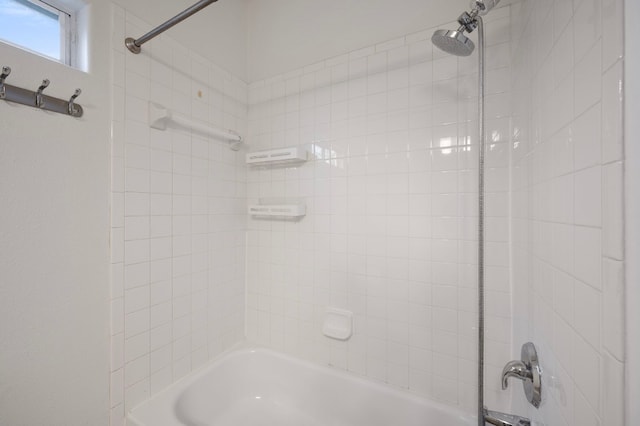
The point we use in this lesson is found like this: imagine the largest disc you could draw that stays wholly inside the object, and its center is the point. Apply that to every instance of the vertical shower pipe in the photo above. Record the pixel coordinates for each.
(481, 135)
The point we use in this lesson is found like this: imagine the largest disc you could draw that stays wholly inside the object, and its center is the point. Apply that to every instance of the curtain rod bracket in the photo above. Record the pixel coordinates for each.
(132, 46)
(135, 45)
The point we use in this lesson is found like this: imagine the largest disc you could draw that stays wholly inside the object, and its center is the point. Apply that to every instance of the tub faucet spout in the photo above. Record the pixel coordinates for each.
(502, 419)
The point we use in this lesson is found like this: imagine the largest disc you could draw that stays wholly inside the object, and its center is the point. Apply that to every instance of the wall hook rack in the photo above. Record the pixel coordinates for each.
(38, 99)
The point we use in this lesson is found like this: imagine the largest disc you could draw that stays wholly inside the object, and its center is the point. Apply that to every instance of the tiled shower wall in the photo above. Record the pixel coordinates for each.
(568, 206)
(178, 218)
(390, 232)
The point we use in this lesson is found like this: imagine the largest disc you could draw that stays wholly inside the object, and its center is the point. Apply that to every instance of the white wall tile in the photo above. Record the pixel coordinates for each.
(587, 26)
(569, 146)
(588, 79)
(613, 390)
(612, 33)
(136, 204)
(117, 316)
(612, 211)
(117, 388)
(587, 313)
(613, 307)
(588, 251)
(583, 412)
(612, 139)
(588, 197)
(136, 346)
(386, 227)
(587, 133)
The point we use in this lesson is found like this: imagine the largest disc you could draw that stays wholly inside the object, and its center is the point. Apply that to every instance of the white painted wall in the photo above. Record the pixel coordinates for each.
(218, 32)
(54, 219)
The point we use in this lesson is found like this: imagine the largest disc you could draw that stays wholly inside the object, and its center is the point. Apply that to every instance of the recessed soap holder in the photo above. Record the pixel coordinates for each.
(338, 324)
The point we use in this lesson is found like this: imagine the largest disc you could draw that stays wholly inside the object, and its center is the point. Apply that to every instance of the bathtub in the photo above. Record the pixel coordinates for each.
(259, 387)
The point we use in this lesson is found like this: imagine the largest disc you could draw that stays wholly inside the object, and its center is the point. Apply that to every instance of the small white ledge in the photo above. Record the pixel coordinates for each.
(278, 210)
(278, 156)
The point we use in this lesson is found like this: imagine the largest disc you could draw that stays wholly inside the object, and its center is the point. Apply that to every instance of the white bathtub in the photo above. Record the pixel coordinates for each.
(259, 387)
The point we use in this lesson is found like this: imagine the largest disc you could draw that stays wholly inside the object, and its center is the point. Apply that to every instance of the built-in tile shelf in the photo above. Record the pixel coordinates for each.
(278, 156)
(278, 210)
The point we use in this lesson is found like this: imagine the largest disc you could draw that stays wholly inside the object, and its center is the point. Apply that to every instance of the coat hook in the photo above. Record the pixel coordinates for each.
(5, 73)
(72, 107)
(39, 101)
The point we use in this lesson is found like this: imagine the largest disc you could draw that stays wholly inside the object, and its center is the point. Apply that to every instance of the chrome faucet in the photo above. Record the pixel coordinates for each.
(528, 370)
(501, 419)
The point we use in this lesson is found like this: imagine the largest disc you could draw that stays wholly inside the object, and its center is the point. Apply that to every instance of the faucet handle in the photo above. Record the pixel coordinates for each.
(528, 370)
(516, 369)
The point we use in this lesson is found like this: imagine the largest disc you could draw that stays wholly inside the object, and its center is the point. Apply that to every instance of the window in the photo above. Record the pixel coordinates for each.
(40, 26)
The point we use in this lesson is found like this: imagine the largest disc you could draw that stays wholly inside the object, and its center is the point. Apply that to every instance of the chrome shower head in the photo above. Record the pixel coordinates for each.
(453, 42)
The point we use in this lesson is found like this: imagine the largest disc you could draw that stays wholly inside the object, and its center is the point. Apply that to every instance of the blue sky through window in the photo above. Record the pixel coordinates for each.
(25, 24)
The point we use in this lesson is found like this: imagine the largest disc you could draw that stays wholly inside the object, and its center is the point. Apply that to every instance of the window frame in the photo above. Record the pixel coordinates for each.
(68, 27)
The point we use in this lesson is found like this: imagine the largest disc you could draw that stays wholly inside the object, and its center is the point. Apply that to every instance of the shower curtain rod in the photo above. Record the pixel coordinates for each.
(134, 45)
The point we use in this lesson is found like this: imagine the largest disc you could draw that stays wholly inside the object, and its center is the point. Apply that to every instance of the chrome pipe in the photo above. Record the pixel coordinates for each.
(481, 62)
(134, 45)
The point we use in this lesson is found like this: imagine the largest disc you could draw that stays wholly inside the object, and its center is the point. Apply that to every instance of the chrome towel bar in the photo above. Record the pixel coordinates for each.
(160, 117)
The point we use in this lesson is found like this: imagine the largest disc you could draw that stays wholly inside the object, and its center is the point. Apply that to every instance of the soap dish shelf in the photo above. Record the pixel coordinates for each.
(338, 324)
(277, 156)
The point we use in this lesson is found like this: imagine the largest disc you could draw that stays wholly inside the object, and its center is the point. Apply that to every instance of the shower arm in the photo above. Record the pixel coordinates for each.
(134, 45)
(468, 21)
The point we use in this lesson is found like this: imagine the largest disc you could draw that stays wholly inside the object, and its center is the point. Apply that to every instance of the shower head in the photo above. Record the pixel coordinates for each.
(453, 42)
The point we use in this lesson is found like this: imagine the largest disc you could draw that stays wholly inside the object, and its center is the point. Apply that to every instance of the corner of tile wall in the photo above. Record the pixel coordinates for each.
(569, 201)
(178, 218)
